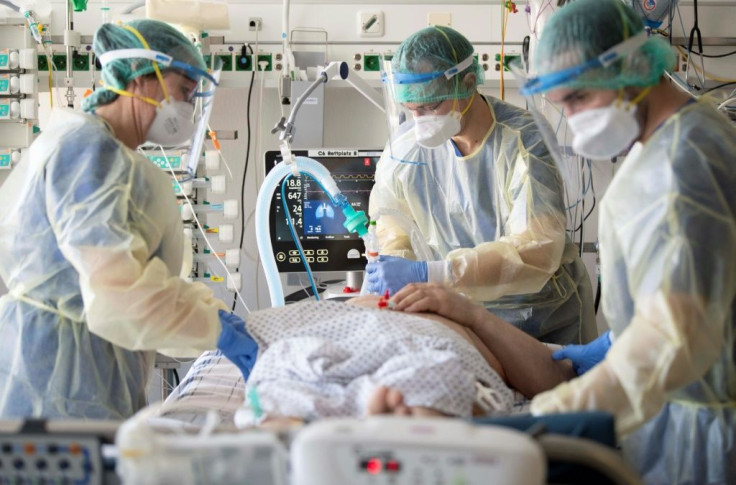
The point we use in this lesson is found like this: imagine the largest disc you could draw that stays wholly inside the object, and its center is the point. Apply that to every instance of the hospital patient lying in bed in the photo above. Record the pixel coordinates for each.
(351, 359)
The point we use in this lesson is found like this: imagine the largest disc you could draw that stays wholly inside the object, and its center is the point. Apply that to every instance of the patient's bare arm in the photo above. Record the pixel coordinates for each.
(527, 363)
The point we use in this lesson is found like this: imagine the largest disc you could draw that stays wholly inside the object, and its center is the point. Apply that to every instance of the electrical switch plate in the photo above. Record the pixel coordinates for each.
(439, 18)
(370, 23)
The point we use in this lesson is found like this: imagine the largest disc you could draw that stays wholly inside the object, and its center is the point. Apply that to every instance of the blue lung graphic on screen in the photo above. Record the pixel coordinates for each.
(324, 210)
(320, 218)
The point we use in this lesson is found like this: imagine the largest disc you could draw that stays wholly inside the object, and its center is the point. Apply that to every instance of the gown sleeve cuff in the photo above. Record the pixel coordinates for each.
(438, 272)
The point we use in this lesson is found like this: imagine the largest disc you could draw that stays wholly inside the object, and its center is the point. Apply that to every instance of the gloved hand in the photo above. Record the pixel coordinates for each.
(236, 344)
(585, 357)
(393, 273)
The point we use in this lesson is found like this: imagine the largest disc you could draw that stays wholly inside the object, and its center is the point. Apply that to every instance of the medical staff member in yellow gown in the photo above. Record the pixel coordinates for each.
(667, 234)
(474, 175)
(91, 242)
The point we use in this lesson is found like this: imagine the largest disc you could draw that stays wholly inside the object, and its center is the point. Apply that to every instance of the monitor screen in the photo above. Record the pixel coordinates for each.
(317, 222)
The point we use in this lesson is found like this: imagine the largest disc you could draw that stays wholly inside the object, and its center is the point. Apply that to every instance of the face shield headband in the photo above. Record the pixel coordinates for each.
(552, 80)
(423, 77)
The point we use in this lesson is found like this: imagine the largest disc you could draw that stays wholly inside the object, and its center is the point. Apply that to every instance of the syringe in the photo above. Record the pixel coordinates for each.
(231, 257)
(224, 233)
(371, 243)
(228, 208)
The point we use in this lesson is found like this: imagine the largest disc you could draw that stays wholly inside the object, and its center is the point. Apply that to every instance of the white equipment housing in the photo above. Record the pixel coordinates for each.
(397, 451)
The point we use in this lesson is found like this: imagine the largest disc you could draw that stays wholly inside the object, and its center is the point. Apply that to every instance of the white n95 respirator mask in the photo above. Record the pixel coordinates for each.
(173, 124)
(605, 132)
(601, 133)
(432, 131)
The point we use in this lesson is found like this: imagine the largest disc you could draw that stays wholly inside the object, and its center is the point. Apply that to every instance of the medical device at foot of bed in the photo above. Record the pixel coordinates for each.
(163, 452)
(56, 451)
(398, 451)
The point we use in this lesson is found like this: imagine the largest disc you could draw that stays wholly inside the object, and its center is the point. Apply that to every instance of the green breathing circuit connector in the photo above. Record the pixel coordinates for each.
(355, 221)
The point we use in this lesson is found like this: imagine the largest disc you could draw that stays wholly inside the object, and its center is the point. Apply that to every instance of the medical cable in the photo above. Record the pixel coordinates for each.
(258, 133)
(727, 102)
(580, 188)
(582, 231)
(681, 84)
(590, 186)
(582, 193)
(49, 66)
(689, 52)
(306, 291)
(257, 69)
(504, 21)
(297, 242)
(533, 25)
(706, 74)
(720, 86)
(693, 32)
(711, 56)
(247, 159)
(572, 208)
(202, 231)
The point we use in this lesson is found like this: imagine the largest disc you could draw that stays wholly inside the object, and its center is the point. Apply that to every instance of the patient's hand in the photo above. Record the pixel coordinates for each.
(435, 298)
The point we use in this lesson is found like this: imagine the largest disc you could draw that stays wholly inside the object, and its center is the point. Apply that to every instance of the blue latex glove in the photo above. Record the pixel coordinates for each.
(393, 273)
(585, 357)
(236, 344)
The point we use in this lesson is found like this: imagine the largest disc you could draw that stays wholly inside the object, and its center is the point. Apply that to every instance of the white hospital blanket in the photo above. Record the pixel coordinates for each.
(326, 359)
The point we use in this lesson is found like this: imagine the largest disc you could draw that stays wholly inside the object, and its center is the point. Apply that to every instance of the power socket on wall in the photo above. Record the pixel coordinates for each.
(255, 23)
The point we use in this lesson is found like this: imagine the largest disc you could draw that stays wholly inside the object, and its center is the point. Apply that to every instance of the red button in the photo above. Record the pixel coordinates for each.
(374, 466)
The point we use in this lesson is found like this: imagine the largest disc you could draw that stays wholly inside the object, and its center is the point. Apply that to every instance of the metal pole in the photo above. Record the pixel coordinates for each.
(69, 80)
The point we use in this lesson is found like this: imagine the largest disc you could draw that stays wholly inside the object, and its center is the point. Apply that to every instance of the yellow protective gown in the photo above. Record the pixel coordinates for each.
(498, 217)
(91, 246)
(668, 270)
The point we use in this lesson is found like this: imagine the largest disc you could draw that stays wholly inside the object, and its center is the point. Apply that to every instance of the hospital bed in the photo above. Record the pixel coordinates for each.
(192, 439)
(213, 393)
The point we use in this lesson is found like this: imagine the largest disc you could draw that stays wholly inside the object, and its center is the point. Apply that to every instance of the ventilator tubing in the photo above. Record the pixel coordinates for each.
(317, 171)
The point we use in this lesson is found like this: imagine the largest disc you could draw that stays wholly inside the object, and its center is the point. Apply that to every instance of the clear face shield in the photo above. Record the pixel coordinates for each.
(418, 118)
(204, 101)
(546, 97)
(552, 125)
(180, 117)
